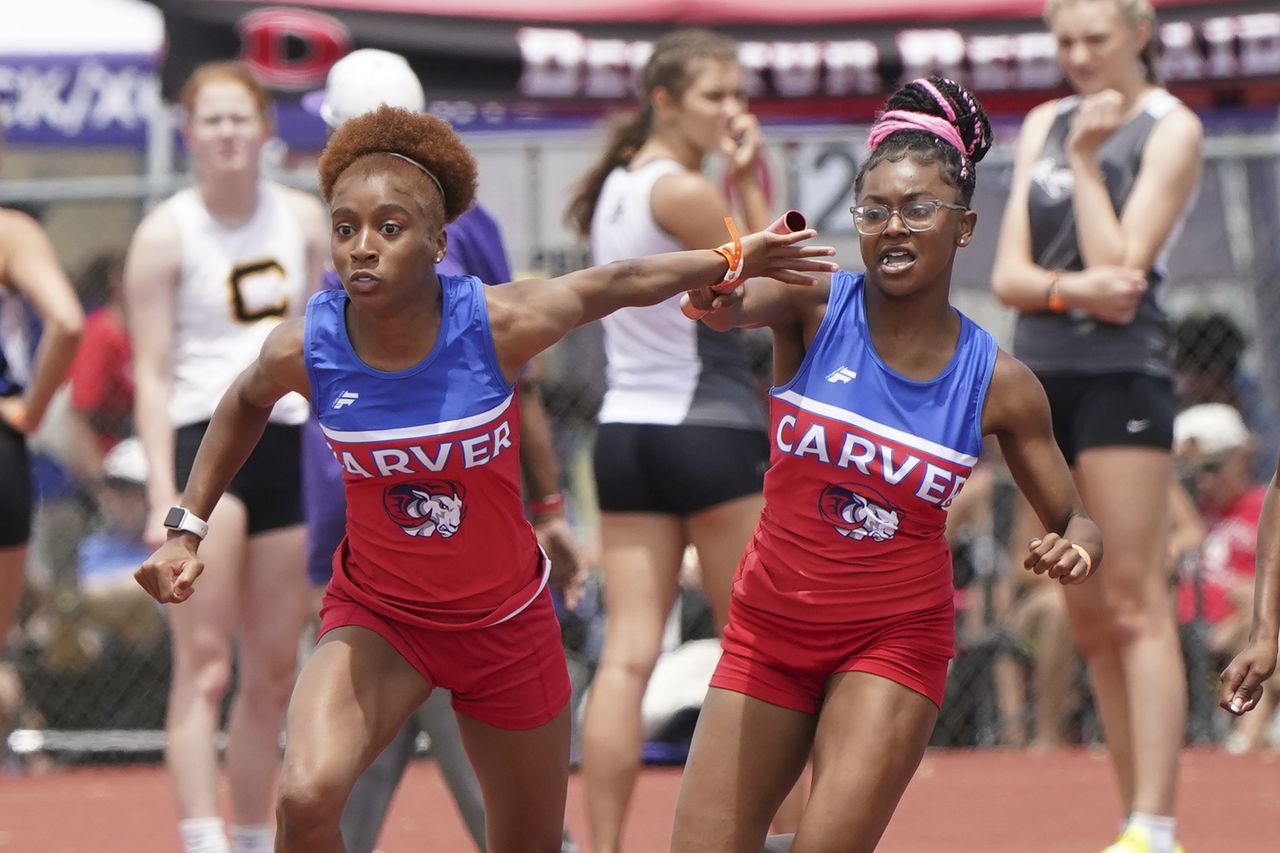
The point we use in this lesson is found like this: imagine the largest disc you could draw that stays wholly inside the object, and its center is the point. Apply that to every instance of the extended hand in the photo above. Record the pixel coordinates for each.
(1243, 678)
(169, 574)
(775, 255)
(1057, 558)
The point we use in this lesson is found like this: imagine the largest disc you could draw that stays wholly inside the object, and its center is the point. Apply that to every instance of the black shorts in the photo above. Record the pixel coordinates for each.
(270, 482)
(1110, 410)
(677, 470)
(15, 488)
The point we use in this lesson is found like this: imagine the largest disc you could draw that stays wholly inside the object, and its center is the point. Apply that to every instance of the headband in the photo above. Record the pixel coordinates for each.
(424, 169)
(896, 120)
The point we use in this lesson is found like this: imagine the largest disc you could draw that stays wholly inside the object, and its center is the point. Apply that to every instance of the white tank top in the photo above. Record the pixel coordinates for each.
(236, 285)
(663, 368)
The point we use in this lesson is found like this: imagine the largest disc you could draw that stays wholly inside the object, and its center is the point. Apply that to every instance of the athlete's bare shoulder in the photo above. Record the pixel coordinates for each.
(159, 232)
(1014, 397)
(160, 224)
(1035, 127)
(15, 228)
(155, 252)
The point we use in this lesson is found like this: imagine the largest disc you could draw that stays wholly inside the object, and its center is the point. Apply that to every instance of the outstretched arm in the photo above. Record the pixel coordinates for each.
(236, 427)
(1243, 679)
(762, 302)
(529, 316)
(1017, 412)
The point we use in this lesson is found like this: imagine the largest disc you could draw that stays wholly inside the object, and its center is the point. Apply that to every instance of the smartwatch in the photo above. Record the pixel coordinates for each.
(179, 518)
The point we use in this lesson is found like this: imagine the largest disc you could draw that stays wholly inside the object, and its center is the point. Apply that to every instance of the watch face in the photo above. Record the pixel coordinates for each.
(174, 518)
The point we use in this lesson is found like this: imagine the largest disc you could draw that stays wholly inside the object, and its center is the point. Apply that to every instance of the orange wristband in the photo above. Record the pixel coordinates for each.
(733, 256)
(688, 309)
(1052, 297)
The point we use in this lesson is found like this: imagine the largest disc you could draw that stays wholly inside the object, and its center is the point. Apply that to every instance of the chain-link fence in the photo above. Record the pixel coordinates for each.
(87, 669)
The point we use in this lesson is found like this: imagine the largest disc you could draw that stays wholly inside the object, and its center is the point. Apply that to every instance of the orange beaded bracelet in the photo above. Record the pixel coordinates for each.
(1053, 297)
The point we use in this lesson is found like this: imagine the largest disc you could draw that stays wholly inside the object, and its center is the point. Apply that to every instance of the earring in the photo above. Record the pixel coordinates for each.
(439, 257)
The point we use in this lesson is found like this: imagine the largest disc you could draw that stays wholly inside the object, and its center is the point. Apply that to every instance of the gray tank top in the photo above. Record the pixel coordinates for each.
(1074, 342)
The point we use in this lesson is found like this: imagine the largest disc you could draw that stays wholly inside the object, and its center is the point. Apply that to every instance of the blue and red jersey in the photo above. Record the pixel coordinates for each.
(864, 463)
(436, 532)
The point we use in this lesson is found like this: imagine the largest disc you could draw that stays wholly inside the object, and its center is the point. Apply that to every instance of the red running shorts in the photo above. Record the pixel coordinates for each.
(788, 662)
(511, 675)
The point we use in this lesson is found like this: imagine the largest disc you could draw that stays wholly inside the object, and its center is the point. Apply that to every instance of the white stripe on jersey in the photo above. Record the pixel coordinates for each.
(885, 431)
(419, 431)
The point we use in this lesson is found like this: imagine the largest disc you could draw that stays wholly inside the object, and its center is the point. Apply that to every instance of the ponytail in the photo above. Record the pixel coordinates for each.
(629, 133)
(671, 66)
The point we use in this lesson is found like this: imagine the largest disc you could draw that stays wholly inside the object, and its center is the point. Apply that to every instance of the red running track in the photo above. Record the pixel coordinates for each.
(960, 802)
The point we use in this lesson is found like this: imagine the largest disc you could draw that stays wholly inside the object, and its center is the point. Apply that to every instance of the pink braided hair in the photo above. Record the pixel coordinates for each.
(945, 129)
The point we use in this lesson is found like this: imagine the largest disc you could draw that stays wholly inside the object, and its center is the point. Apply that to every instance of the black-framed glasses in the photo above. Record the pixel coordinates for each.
(918, 215)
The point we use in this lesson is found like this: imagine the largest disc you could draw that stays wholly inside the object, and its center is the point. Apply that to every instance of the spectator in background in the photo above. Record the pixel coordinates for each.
(110, 554)
(1215, 451)
(1208, 364)
(210, 272)
(102, 374)
(29, 270)
(979, 708)
(1038, 620)
(1015, 618)
(1102, 180)
(681, 449)
(1208, 350)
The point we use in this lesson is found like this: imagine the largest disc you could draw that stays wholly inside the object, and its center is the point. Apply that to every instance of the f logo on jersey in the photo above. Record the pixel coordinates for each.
(427, 507)
(857, 512)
